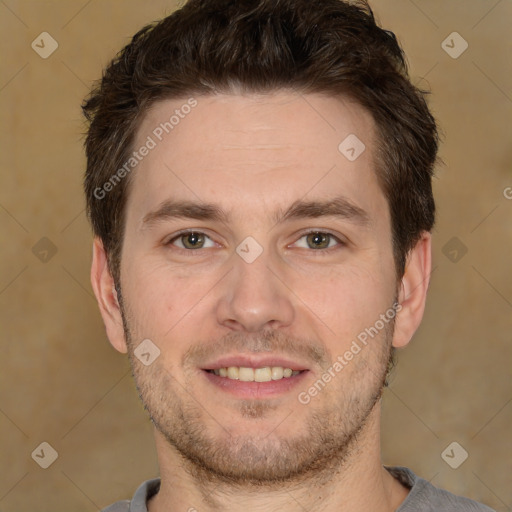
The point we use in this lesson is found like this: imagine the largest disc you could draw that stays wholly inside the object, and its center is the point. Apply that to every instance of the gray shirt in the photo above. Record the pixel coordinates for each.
(423, 496)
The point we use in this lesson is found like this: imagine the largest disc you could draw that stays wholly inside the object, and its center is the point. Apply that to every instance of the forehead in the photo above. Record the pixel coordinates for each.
(254, 150)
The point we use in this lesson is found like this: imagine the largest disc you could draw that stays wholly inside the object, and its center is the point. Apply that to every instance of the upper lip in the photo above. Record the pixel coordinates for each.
(251, 361)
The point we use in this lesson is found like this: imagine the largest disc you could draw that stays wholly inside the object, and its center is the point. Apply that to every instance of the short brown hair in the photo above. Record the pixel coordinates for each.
(310, 46)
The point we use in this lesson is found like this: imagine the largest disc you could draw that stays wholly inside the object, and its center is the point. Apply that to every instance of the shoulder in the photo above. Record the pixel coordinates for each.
(118, 506)
(425, 497)
(139, 501)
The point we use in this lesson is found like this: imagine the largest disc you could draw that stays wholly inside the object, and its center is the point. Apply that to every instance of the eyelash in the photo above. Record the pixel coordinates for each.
(321, 252)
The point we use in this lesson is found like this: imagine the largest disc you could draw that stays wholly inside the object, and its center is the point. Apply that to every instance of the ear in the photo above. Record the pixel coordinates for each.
(413, 291)
(106, 295)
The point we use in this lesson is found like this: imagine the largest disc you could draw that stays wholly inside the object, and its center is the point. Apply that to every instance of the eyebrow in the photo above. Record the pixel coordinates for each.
(339, 207)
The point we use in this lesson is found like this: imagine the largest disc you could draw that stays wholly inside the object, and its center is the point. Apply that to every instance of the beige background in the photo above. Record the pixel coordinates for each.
(62, 383)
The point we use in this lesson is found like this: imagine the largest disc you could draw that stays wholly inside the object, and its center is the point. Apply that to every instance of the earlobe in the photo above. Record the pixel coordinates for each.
(106, 295)
(413, 291)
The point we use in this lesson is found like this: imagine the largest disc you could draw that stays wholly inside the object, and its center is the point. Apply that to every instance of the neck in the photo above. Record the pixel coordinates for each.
(357, 483)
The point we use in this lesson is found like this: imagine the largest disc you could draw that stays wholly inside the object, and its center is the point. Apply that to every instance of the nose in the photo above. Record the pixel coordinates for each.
(254, 297)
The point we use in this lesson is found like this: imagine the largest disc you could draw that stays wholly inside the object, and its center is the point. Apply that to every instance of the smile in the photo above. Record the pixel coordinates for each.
(247, 374)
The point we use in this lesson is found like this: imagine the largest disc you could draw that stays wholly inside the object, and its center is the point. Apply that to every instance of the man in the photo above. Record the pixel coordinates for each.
(259, 185)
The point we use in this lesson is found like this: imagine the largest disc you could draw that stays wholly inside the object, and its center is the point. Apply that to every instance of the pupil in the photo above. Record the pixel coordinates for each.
(318, 239)
(193, 239)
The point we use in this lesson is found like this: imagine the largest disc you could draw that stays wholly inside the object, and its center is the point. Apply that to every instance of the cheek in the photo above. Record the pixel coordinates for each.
(161, 297)
(148, 297)
(346, 301)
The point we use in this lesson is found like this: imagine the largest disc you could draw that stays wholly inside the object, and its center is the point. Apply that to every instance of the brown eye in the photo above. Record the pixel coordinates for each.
(190, 240)
(318, 240)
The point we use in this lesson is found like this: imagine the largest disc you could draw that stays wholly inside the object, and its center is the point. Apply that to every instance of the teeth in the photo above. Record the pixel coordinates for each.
(265, 374)
(277, 373)
(245, 374)
(232, 372)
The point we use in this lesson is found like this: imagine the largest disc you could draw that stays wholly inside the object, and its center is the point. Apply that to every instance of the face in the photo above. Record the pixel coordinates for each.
(252, 241)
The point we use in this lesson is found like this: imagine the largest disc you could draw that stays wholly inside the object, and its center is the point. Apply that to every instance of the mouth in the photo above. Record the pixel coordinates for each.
(248, 374)
(246, 378)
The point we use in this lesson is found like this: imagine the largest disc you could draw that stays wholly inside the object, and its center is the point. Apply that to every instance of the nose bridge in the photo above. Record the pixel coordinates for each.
(253, 297)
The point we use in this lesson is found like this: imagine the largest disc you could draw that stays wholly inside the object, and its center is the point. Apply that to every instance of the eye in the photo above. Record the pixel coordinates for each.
(318, 240)
(191, 240)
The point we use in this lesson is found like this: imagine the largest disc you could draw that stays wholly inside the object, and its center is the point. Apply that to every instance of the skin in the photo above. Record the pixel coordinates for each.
(252, 155)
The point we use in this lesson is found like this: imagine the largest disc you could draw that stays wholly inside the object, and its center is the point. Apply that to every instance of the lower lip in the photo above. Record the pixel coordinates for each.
(256, 390)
